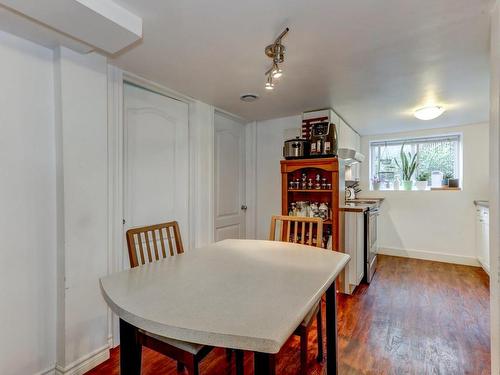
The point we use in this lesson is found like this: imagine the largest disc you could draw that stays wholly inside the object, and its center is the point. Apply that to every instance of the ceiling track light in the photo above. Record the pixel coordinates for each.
(276, 52)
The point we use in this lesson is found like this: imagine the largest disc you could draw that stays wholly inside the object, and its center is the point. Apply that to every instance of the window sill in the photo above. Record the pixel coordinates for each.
(428, 188)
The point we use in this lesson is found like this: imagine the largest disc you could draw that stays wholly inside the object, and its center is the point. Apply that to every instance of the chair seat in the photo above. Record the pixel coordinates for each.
(183, 345)
(310, 315)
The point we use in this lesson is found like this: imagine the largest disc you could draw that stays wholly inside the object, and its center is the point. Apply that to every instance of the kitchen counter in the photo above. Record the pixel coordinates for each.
(353, 207)
(482, 203)
(360, 204)
(380, 200)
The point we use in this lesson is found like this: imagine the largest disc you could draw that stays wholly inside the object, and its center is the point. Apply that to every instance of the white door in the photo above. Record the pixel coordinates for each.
(156, 159)
(229, 178)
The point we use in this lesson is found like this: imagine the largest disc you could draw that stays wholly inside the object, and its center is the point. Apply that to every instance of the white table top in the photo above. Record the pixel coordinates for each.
(241, 294)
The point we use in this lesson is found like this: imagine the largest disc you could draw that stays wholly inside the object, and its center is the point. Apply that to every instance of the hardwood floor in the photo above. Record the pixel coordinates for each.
(417, 317)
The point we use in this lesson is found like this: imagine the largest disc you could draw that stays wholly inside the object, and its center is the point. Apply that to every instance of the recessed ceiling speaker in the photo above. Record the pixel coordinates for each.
(249, 97)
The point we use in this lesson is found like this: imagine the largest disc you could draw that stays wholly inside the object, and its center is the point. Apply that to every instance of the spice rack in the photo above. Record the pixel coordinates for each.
(328, 170)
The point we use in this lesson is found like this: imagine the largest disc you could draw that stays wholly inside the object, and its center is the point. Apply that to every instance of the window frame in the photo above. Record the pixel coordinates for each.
(415, 141)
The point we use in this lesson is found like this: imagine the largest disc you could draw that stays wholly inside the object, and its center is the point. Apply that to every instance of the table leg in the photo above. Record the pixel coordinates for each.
(264, 363)
(239, 362)
(130, 350)
(331, 331)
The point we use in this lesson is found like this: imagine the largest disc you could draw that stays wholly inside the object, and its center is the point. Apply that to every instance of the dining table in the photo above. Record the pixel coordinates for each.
(247, 295)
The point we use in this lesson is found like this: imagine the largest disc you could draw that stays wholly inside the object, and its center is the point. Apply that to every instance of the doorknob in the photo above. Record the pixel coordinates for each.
(244, 207)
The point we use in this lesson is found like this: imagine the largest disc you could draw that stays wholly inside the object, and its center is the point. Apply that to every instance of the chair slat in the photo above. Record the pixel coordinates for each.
(131, 250)
(272, 233)
(295, 230)
(162, 241)
(141, 250)
(310, 234)
(170, 245)
(287, 239)
(148, 247)
(155, 245)
(303, 233)
(178, 241)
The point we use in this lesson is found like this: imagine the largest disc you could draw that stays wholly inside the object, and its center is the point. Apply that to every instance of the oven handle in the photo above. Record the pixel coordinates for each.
(374, 212)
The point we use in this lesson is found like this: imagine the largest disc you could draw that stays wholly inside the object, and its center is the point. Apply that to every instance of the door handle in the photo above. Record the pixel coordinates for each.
(244, 207)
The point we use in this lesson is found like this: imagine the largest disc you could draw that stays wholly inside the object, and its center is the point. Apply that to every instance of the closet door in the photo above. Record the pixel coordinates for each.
(229, 163)
(156, 153)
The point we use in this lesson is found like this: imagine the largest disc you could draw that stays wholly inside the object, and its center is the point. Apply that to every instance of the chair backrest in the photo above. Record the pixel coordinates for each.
(149, 243)
(303, 229)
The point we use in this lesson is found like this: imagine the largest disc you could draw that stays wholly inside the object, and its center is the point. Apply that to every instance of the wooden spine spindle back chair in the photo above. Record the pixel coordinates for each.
(150, 243)
(281, 230)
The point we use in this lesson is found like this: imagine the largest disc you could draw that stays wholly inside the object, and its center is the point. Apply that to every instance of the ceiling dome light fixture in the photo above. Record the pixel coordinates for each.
(429, 112)
(276, 52)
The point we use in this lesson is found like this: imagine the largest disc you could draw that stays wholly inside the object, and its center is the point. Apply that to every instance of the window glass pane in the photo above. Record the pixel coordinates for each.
(439, 156)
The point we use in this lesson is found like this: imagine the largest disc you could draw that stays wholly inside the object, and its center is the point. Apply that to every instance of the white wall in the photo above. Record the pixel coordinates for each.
(27, 201)
(270, 136)
(81, 134)
(435, 224)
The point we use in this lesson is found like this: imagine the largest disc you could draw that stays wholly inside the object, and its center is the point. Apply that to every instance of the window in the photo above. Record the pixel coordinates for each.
(434, 154)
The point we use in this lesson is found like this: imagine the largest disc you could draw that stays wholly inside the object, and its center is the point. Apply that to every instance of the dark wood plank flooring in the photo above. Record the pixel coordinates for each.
(417, 317)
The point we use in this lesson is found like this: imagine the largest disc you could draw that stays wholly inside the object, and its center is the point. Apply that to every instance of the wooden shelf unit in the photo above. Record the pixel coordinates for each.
(327, 167)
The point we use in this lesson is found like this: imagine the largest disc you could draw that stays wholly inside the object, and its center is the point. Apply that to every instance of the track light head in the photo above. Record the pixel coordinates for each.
(269, 83)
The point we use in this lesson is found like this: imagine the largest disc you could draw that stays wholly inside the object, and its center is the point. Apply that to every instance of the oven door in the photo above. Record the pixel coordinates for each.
(371, 243)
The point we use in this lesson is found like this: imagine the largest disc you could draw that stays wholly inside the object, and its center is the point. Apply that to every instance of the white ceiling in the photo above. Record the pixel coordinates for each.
(373, 61)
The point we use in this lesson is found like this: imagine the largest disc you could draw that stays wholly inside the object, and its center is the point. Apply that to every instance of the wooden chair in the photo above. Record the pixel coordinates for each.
(148, 244)
(303, 231)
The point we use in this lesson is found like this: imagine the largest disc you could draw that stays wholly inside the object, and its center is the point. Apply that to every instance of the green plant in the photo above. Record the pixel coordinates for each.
(448, 175)
(408, 164)
(423, 176)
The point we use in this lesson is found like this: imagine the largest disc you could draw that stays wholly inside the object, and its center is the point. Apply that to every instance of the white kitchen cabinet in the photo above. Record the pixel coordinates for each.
(482, 237)
(348, 138)
(354, 246)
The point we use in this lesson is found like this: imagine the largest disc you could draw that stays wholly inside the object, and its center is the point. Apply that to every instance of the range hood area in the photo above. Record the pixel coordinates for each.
(350, 156)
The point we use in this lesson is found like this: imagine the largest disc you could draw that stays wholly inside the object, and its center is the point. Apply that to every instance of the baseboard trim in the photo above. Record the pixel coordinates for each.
(49, 371)
(429, 255)
(485, 266)
(84, 364)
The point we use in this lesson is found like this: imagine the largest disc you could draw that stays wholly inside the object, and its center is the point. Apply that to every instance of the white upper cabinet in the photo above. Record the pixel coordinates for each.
(348, 138)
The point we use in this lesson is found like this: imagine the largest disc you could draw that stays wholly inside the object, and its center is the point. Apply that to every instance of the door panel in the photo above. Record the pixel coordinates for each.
(156, 159)
(228, 195)
(229, 178)
(231, 231)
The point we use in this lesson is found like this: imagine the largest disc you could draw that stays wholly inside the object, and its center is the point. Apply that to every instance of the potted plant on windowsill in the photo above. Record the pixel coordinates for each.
(446, 178)
(422, 180)
(453, 182)
(376, 183)
(408, 167)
